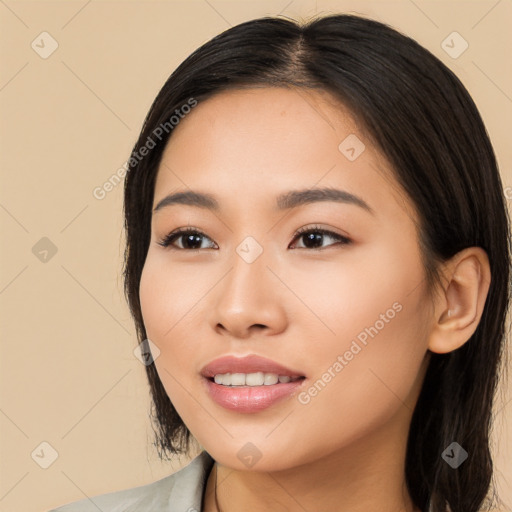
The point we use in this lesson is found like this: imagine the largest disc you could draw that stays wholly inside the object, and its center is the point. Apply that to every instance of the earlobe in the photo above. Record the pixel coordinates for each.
(460, 305)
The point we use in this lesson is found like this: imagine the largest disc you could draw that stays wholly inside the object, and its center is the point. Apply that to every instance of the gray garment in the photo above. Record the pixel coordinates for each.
(180, 492)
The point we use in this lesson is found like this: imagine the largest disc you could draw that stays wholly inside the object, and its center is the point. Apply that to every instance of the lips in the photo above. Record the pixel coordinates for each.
(249, 399)
(247, 364)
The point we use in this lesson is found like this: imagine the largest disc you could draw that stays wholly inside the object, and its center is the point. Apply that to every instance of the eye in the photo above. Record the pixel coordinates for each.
(190, 236)
(314, 236)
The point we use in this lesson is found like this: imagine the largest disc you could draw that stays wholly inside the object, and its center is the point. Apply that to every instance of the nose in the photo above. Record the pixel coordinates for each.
(249, 299)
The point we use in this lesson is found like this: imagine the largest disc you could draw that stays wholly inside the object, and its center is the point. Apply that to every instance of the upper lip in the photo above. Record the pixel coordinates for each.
(247, 364)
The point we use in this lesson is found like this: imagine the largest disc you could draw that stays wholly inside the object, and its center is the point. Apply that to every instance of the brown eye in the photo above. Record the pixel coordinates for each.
(191, 239)
(314, 236)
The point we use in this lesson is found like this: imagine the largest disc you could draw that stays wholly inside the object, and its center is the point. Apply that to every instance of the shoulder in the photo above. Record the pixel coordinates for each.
(181, 491)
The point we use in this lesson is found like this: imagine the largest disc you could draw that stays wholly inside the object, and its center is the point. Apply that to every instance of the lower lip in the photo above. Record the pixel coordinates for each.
(250, 399)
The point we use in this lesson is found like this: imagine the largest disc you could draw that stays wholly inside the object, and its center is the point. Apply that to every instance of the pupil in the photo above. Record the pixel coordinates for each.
(316, 238)
(191, 239)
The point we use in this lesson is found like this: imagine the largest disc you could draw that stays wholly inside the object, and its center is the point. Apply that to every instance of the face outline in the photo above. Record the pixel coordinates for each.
(246, 147)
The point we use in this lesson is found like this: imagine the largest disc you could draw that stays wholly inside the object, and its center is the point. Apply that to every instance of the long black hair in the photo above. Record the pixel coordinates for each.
(417, 112)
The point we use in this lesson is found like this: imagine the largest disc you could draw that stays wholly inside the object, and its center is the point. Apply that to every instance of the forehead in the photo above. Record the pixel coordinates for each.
(248, 144)
(272, 121)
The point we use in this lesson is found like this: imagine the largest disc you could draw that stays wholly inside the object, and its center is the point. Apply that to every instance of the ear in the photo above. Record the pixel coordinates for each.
(460, 304)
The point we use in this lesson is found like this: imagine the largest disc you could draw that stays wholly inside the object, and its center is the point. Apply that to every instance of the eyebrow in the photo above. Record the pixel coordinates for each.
(286, 201)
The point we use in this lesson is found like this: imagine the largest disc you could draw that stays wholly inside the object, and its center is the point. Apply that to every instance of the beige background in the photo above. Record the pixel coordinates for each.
(68, 373)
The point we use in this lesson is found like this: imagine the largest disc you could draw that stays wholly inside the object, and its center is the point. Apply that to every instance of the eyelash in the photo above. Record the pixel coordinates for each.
(171, 237)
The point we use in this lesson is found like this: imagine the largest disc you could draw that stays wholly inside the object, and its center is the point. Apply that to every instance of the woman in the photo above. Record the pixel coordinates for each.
(318, 266)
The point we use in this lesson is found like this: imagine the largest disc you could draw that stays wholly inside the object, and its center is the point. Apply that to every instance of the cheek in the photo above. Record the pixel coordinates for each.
(169, 294)
(368, 294)
(166, 309)
(370, 372)
(153, 297)
(377, 318)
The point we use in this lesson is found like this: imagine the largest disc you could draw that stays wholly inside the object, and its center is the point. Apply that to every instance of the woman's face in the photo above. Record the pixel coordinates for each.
(347, 311)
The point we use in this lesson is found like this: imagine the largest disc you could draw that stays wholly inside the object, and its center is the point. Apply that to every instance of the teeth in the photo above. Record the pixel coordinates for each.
(237, 379)
(252, 379)
(271, 378)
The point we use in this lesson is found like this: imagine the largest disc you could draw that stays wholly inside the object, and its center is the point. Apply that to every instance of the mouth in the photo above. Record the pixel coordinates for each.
(249, 384)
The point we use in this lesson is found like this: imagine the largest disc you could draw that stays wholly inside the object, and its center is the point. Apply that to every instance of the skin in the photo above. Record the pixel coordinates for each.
(345, 449)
